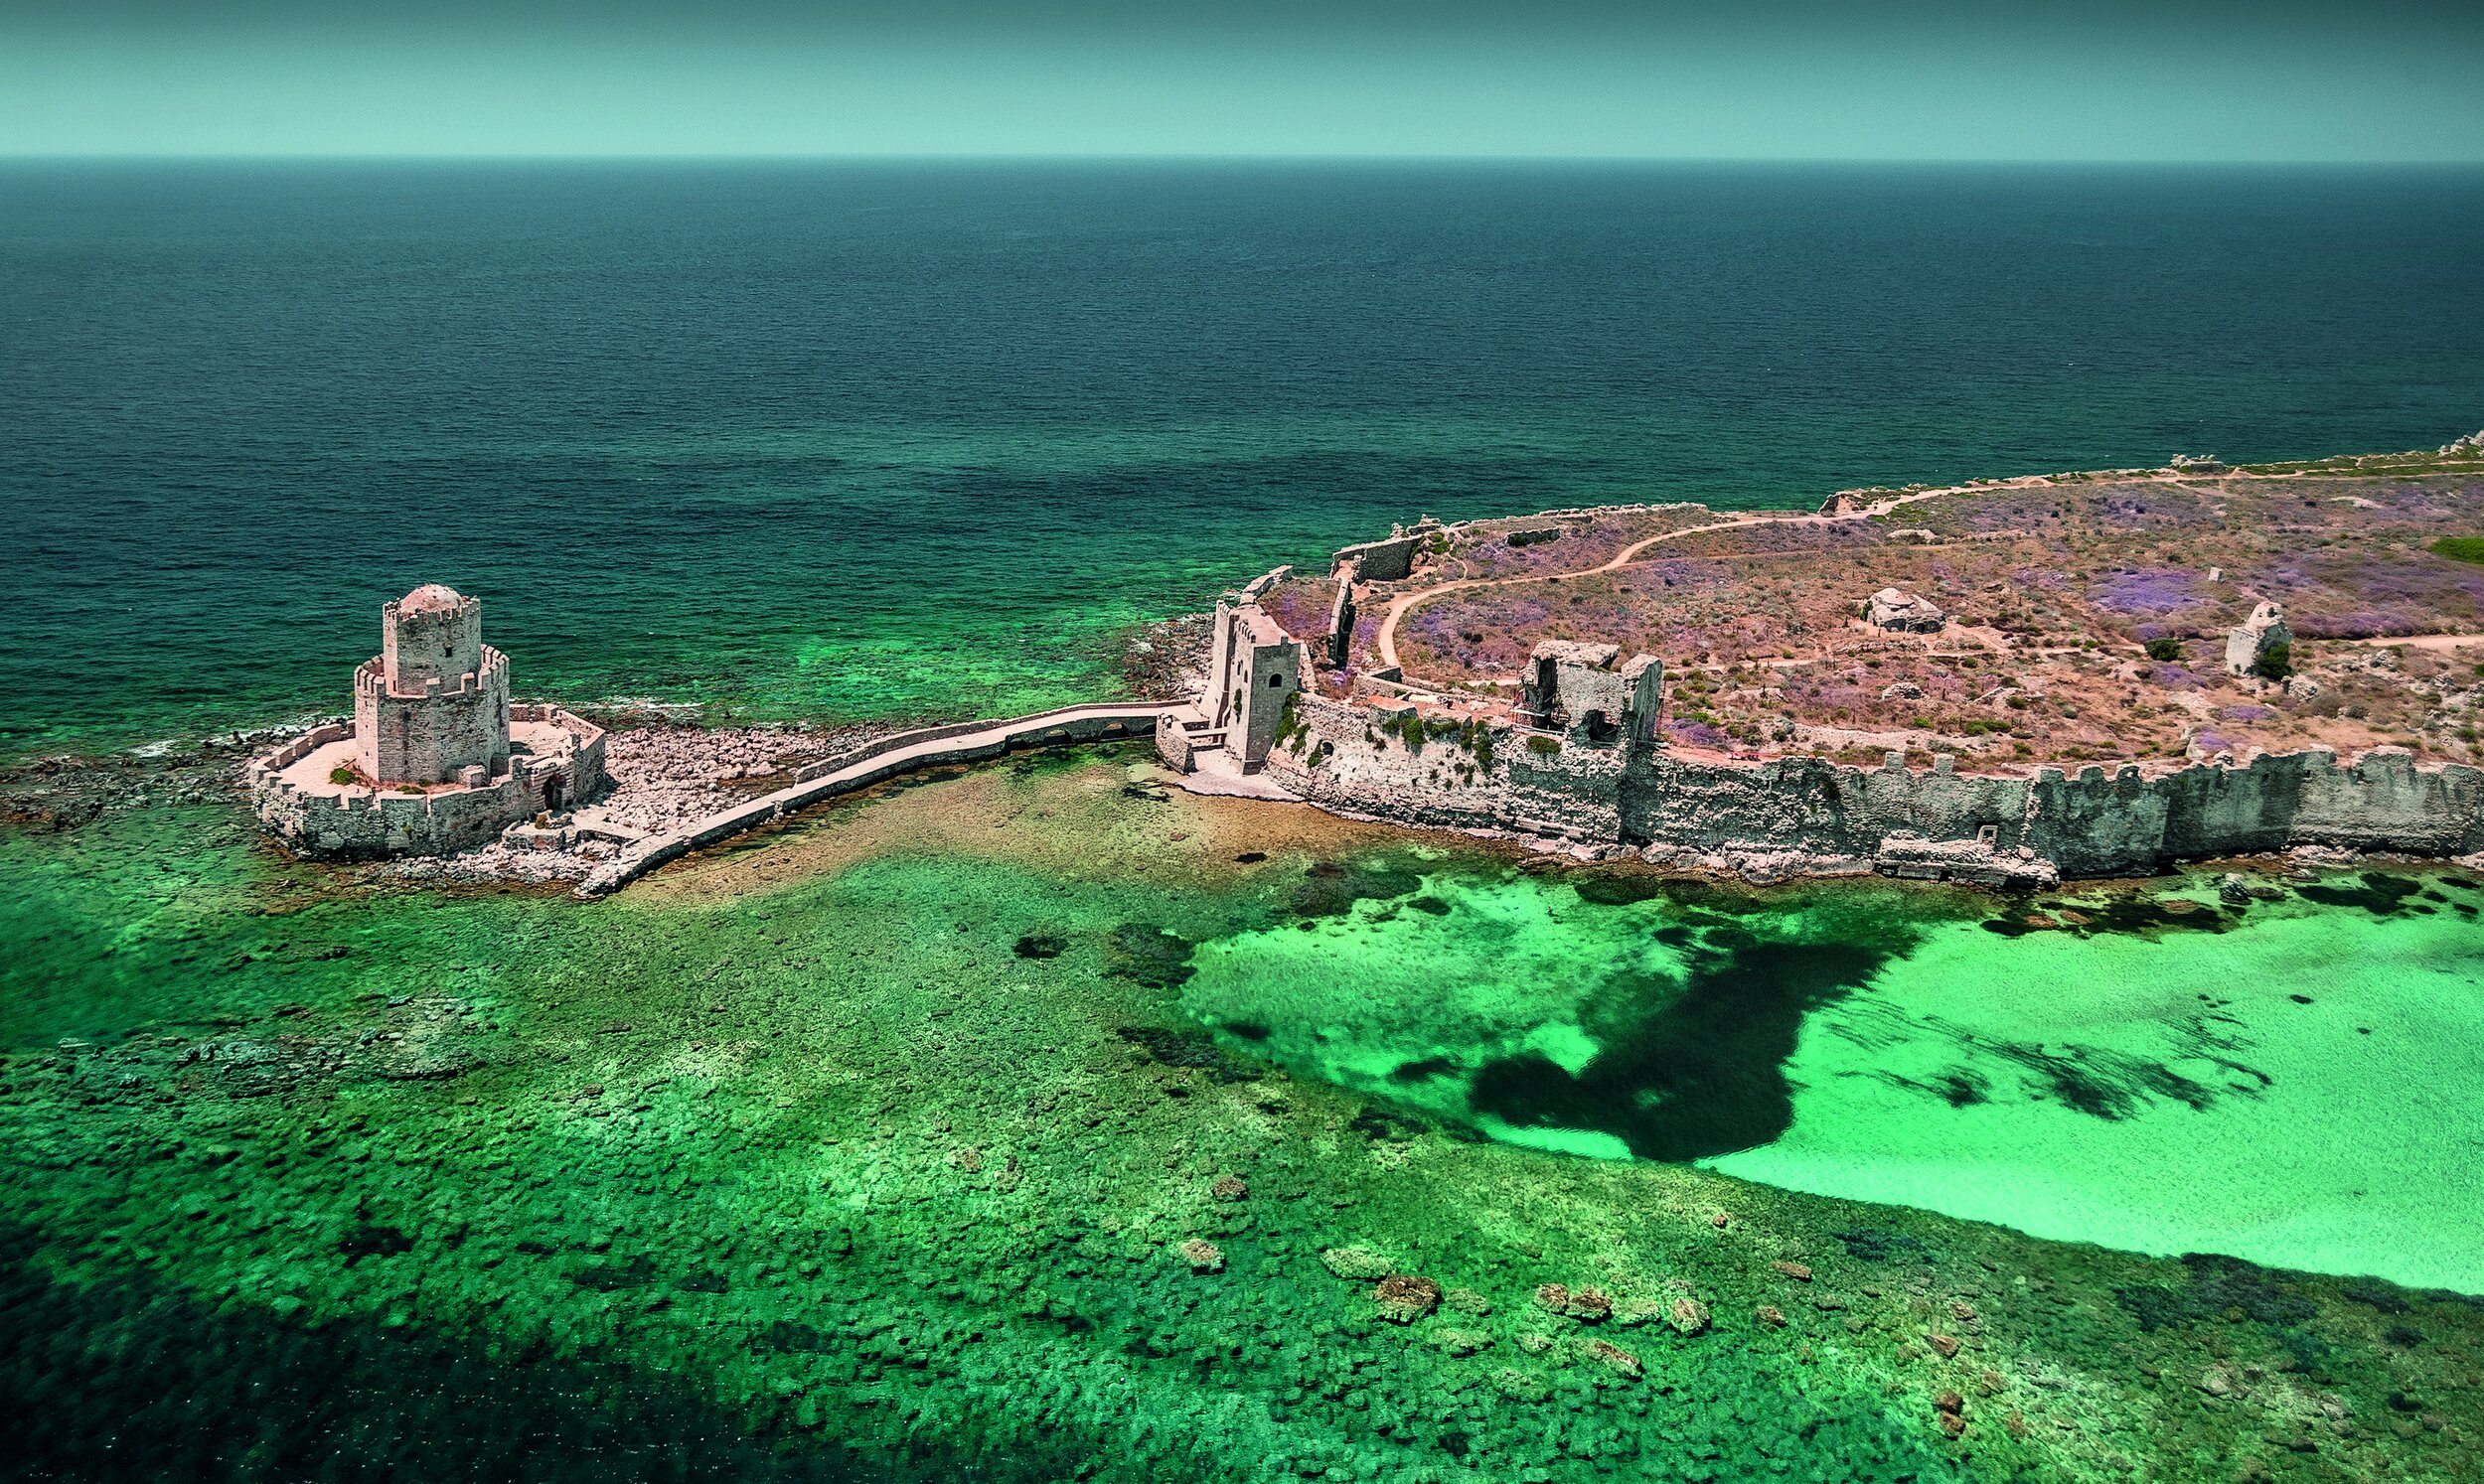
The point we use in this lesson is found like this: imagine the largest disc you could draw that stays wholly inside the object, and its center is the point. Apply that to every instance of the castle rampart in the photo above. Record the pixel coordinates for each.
(317, 816)
(1811, 815)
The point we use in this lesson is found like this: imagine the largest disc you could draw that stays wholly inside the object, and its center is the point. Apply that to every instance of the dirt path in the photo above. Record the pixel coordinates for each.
(1405, 603)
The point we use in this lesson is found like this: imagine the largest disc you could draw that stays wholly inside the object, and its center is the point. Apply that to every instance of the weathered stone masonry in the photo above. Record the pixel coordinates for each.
(437, 760)
(1805, 815)
(361, 823)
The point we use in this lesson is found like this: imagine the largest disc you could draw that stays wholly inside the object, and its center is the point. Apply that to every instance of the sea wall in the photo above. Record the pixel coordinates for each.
(1795, 814)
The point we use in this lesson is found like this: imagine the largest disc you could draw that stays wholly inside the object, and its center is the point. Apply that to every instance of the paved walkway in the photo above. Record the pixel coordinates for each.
(967, 741)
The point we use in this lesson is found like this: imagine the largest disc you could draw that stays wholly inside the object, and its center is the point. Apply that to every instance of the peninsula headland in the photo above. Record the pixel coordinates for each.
(2004, 682)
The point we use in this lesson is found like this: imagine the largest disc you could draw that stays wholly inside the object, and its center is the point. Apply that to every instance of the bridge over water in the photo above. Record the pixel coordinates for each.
(961, 742)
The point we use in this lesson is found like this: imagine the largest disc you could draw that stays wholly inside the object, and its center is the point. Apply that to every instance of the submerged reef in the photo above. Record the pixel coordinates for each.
(903, 1141)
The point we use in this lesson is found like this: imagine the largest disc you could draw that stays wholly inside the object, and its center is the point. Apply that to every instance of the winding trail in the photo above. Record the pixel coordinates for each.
(1405, 603)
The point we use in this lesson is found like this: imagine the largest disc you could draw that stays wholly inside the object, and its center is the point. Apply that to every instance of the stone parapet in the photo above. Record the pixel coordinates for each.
(324, 819)
(429, 735)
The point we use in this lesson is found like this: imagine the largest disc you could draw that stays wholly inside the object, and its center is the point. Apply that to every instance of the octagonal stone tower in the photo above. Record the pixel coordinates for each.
(434, 701)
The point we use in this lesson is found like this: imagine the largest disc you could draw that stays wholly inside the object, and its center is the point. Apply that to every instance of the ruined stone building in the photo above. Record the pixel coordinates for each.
(2249, 643)
(1254, 669)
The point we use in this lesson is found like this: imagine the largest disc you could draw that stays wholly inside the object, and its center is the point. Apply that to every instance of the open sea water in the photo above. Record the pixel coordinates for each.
(875, 439)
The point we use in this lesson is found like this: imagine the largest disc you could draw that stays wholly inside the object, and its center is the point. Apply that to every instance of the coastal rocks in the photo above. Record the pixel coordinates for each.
(1687, 1316)
(1404, 1299)
(1979, 862)
(1612, 1358)
(1588, 1306)
(1356, 1263)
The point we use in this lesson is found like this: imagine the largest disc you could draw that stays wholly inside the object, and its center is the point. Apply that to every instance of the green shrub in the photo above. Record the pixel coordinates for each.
(1543, 746)
(340, 776)
(2459, 548)
(1290, 724)
(2275, 663)
(2164, 649)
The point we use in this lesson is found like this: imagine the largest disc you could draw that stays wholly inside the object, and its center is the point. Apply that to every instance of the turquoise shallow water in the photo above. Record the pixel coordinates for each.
(880, 439)
(2297, 1084)
(2340, 1135)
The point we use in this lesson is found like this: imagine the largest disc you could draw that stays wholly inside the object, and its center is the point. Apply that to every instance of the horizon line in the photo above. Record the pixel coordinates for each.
(1236, 156)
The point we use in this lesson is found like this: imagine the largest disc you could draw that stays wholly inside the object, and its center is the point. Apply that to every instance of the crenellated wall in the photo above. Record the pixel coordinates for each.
(1795, 814)
(354, 822)
(429, 734)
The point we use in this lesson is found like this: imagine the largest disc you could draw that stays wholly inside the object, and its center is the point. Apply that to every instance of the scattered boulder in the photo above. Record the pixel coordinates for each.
(1467, 1302)
(1356, 1263)
(1896, 612)
(1461, 1342)
(1523, 1385)
(1588, 1306)
(1770, 1315)
(1203, 1256)
(1229, 1188)
(1687, 1316)
(1801, 1272)
(1404, 1297)
(1614, 1358)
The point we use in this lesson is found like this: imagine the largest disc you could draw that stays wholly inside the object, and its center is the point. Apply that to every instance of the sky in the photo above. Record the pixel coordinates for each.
(1906, 79)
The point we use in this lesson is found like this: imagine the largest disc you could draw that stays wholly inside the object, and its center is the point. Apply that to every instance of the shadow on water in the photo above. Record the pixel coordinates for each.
(120, 1378)
(1705, 1074)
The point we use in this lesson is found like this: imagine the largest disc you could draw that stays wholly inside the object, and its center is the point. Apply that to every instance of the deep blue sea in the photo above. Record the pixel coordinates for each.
(890, 438)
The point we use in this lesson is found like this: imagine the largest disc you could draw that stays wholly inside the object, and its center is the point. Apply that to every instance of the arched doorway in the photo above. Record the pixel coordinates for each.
(553, 794)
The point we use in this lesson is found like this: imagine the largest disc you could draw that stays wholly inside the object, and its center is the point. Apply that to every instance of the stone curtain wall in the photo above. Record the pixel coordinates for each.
(1796, 815)
(359, 823)
(426, 736)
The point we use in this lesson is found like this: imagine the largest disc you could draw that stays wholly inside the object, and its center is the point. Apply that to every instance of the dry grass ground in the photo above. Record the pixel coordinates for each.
(2056, 589)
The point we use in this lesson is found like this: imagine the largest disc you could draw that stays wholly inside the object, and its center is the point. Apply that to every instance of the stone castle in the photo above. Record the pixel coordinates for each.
(436, 758)
(1577, 761)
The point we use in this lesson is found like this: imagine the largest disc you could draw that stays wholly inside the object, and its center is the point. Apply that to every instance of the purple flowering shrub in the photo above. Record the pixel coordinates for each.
(2358, 594)
(1698, 734)
(2150, 590)
(2245, 712)
(1300, 605)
